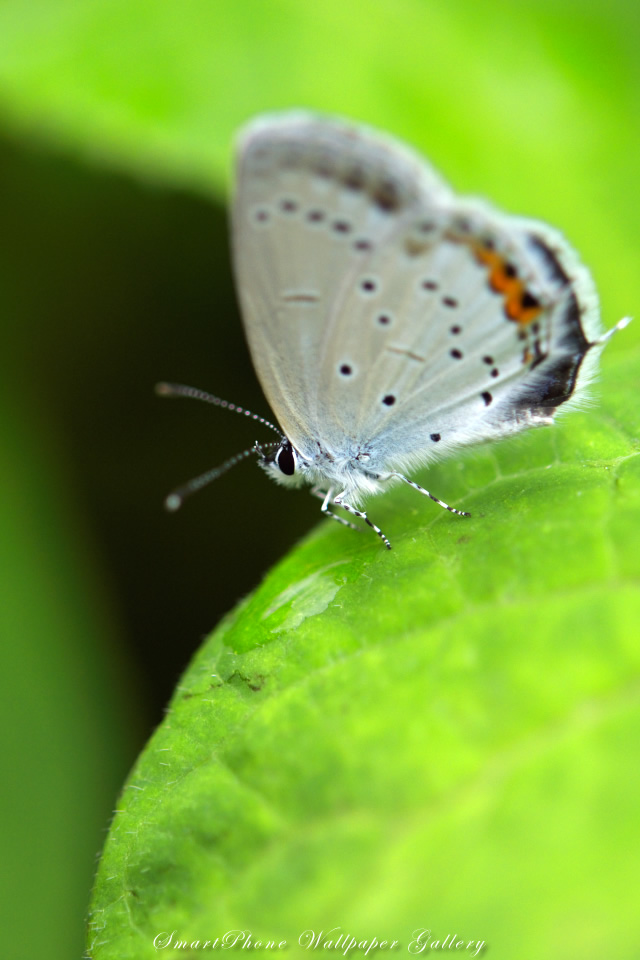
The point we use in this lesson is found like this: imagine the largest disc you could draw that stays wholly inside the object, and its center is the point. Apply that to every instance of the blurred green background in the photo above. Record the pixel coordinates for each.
(115, 124)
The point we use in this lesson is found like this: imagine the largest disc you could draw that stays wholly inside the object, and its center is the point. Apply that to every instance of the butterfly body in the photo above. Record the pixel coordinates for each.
(352, 471)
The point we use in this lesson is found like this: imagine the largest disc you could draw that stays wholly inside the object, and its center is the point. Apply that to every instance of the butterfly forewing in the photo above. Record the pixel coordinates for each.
(312, 203)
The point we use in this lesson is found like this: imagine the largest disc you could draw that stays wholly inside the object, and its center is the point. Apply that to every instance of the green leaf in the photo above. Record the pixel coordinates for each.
(437, 736)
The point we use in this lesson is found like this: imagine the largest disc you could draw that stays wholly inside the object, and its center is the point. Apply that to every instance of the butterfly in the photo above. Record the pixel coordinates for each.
(390, 322)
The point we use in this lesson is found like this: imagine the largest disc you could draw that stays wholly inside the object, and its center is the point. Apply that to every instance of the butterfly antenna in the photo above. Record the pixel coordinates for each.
(175, 499)
(179, 390)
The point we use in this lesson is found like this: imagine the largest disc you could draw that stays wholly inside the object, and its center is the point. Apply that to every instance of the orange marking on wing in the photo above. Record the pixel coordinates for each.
(485, 255)
(521, 314)
(501, 277)
(503, 280)
(502, 283)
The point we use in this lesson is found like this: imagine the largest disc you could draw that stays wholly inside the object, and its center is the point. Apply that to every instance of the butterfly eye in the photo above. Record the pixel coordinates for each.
(285, 458)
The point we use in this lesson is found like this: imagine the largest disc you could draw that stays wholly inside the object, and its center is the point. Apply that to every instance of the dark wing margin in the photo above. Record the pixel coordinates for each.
(558, 375)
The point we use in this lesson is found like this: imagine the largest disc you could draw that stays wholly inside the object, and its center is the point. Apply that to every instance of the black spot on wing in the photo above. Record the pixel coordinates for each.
(528, 301)
(354, 178)
(386, 195)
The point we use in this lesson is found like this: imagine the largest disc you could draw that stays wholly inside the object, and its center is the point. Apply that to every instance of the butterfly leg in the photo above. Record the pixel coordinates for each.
(326, 497)
(416, 486)
(339, 502)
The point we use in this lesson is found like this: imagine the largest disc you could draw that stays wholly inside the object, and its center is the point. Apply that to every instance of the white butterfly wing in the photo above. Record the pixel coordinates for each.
(301, 228)
(384, 315)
